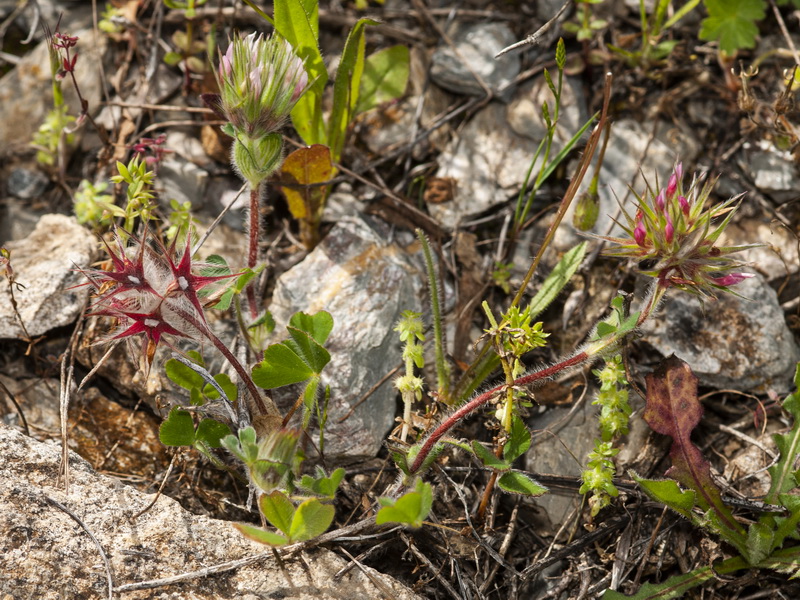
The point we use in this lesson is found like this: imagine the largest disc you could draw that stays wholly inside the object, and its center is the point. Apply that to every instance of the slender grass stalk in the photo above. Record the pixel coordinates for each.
(434, 287)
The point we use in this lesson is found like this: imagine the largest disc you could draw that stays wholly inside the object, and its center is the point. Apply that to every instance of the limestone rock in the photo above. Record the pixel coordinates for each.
(365, 284)
(44, 263)
(45, 554)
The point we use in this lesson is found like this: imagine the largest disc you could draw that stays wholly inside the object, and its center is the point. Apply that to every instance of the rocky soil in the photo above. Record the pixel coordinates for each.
(92, 505)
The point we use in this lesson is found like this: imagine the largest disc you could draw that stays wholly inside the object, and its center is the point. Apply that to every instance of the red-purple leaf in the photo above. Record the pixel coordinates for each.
(673, 409)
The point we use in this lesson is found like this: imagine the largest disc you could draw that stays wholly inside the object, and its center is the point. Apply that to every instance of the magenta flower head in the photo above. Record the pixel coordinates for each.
(673, 238)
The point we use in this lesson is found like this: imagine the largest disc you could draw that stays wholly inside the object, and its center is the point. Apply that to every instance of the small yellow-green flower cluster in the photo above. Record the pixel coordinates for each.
(614, 414)
(410, 386)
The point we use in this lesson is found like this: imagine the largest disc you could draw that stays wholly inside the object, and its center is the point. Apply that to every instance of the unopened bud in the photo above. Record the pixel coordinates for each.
(684, 204)
(640, 234)
(586, 211)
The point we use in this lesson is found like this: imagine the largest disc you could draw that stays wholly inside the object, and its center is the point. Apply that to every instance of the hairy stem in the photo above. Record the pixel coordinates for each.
(234, 362)
(254, 231)
(442, 370)
(482, 399)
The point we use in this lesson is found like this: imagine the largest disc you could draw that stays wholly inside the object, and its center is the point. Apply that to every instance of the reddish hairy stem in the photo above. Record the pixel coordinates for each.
(482, 399)
(652, 302)
(252, 251)
(234, 362)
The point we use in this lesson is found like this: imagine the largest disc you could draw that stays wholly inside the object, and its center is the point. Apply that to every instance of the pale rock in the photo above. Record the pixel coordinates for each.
(26, 91)
(365, 284)
(475, 48)
(45, 266)
(47, 555)
(491, 155)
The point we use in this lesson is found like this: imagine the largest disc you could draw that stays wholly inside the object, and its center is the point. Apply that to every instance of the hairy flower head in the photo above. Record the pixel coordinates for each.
(151, 291)
(673, 236)
(260, 80)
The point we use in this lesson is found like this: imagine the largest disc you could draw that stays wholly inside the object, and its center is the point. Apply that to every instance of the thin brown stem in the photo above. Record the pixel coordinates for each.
(569, 195)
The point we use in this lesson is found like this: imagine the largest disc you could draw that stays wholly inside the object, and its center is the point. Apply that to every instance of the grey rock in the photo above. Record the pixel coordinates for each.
(17, 219)
(47, 555)
(776, 259)
(26, 184)
(188, 147)
(491, 155)
(476, 47)
(163, 84)
(774, 173)
(560, 436)
(365, 284)
(739, 343)
(73, 15)
(182, 180)
(26, 91)
(44, 263)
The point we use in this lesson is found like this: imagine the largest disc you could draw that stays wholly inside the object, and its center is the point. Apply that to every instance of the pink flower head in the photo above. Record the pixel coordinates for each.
(679, 236)
(260, 81)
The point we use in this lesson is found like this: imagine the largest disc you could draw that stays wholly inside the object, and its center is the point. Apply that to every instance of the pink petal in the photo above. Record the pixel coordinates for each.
(731, 279)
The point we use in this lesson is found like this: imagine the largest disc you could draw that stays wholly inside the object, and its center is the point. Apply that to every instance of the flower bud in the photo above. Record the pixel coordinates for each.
(672, 186)
(669, 230)
(661, 201)
(731, 279)
(684, 204)
(586, 211)
(640, 234)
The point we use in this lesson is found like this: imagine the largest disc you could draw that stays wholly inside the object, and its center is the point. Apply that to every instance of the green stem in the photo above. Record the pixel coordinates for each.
(442, 370)
(572, 190)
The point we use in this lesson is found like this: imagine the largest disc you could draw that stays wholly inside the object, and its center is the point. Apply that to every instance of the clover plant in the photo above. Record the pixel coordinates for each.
(159, 293)
(362, 82)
